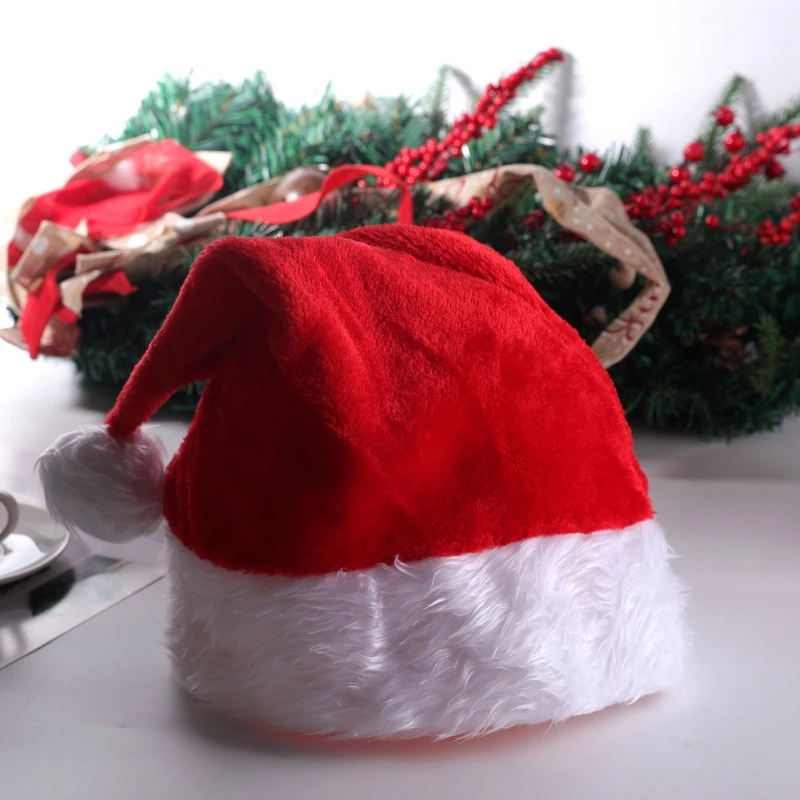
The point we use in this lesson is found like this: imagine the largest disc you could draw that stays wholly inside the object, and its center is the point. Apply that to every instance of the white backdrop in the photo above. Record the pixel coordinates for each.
(75, 71)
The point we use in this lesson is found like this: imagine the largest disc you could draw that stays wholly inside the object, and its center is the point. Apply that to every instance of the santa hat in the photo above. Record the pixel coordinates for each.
(408, 502)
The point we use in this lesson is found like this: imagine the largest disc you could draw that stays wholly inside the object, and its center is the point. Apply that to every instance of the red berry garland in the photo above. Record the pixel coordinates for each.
(687, 191)
(456, 218)
(429, 161)
(674, 205)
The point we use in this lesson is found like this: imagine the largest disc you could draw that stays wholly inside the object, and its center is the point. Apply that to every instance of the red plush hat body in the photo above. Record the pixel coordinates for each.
(408, 502)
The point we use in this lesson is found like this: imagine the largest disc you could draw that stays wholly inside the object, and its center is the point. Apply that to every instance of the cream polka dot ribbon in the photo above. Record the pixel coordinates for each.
(598, 215)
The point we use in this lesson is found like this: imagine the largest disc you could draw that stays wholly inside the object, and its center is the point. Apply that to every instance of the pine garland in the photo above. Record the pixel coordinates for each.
(724, 355)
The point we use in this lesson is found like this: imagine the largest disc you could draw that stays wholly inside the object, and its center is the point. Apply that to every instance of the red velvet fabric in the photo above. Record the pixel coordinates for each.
(388, 392)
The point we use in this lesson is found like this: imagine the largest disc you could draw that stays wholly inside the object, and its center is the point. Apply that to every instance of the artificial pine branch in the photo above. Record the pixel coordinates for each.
(789, 113)
(466, 83)
(436, 102)
(773, 353)
(643, 149)
(722, 358)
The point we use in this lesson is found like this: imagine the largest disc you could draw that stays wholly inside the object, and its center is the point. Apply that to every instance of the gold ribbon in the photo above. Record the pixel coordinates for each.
(599, 216)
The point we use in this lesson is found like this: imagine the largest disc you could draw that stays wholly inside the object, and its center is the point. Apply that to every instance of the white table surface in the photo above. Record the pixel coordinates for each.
(94, 714)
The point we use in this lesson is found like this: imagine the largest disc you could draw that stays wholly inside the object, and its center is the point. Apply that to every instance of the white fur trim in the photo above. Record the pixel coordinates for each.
(110, 489)
(538, 630)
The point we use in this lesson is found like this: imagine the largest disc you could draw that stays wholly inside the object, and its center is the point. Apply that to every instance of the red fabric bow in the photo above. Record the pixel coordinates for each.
(118, 194)
(45, 302)
(153, 179)
(337, 178)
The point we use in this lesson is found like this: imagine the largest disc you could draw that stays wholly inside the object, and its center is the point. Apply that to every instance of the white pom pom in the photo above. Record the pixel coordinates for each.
(105, 487)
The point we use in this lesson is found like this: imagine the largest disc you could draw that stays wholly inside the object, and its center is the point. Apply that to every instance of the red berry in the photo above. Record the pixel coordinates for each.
(590, 162)
(566, 172)
(724, 115)
(735, 142)
(533, 220)
(712, 221)
(795, 203)
(694, 152)
(774, 170)
(678, 174)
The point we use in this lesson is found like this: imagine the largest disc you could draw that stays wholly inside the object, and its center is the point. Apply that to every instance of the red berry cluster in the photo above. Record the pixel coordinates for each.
(588, 163)
(429, 161)
(456, 219)
(770, 233)
(674, 227)
(534, 220)
(672, 202)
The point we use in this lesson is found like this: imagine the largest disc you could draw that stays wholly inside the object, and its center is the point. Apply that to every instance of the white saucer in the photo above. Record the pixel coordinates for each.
(36, 542)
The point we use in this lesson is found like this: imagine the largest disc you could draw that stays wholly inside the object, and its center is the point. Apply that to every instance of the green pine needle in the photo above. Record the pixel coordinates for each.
(436, 102)
(789, 113)
(773, 353)
(643, 145)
